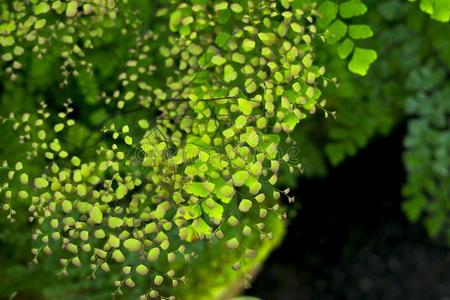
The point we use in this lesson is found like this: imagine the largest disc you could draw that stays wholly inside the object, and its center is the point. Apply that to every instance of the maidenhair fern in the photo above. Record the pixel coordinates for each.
(333, 20)
(427, 154)
(146, 138)
(164, 137)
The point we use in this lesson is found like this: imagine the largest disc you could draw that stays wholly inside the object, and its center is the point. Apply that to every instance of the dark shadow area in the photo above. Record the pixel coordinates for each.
(350, 239)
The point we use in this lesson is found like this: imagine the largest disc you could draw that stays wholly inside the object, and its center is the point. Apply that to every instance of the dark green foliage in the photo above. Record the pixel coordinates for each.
(409, 83)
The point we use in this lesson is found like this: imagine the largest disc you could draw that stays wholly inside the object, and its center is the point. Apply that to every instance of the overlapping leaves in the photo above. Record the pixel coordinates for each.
(214, 93)
(334, 18)
(437, 9)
